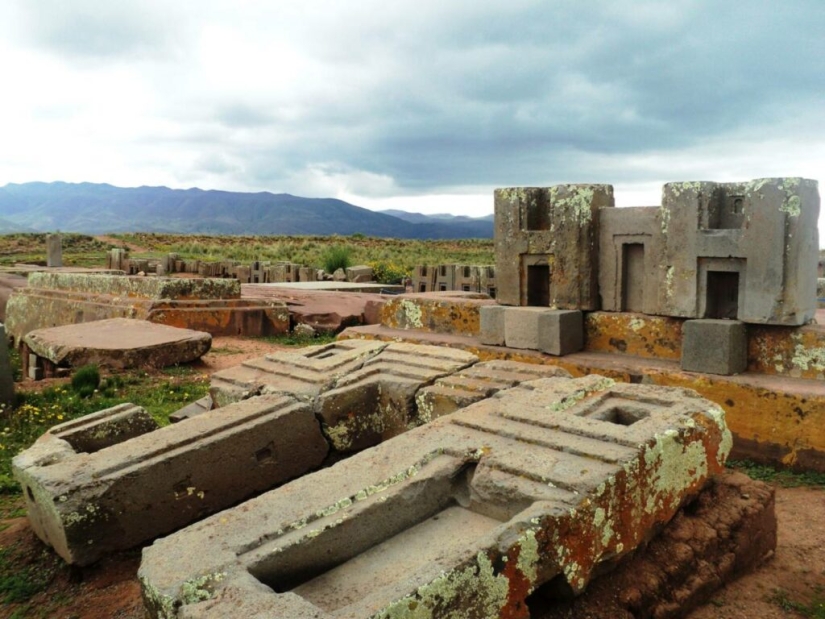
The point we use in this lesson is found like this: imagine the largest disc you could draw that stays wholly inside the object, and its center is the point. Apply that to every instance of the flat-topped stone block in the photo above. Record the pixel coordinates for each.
(112, 480)
(463, 517)
(438, 312)
(50, 301)
(118, 343)
(142, 287)
(555, 332)
(491, 325)
(714, 346)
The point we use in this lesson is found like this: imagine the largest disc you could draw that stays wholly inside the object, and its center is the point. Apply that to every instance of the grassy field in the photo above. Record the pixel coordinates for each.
(391, 259)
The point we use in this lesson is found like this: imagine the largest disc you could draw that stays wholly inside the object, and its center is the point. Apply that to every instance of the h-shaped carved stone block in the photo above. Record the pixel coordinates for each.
(463, 517)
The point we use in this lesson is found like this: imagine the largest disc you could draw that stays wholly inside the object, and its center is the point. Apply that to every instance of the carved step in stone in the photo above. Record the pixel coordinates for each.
(111, 480)
(377, 401)
(475, 383)
(303, 374)
(463, 517)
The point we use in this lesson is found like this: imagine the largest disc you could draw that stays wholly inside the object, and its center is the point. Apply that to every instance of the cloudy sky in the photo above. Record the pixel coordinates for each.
(425, 105)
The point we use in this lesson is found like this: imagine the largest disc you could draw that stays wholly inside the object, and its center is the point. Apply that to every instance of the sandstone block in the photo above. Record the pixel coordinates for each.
(714, 346)
(555, 332)
(463, 517)
(110, 481)
(491, 324)
(118, 343)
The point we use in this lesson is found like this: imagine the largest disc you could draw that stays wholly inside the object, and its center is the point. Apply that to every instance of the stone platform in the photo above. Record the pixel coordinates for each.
(211, 305)
(117, 343)
(463, 517)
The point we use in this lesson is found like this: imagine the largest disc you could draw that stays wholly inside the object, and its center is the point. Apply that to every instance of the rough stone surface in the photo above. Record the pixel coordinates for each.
(360, 274)
(118, 343)
(555, 332)
(438, 312)
(326, 311)
(463, 517)
(56, 299)
(714, 346)
(729, 530)
(476, 383)
(109, 481)
(746, 251)
(8, 284)
(54, 250)
(191, 410)
(171, 288)
(491, 324)
(547, 244)
(303, 374)
(6, 375)
(377, 401)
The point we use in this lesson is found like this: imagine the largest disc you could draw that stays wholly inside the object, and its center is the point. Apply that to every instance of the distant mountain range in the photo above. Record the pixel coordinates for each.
(99, 208)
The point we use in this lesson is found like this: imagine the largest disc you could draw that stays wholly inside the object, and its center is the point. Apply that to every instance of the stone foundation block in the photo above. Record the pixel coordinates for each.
(110, 481)
(463, 517)
(714, 346)
(555, 332)
(491, 323)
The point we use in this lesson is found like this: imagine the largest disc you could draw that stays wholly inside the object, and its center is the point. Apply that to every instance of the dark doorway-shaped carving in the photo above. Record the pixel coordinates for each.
(633, 277)
(722, 295)
(538, 285)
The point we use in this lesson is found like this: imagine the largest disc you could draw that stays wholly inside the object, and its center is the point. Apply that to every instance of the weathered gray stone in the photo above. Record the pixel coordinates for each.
(463, 517)
(109, 481)
(211, 305)
(6, 375)
(191, 410)
(491, 324)
(54, 250)
(555, 332)
(745, 251)
(303, 374)
(714, 346)
(476, 383)
(547, 243)
(118, 343)
(359, 274)
(377, 401)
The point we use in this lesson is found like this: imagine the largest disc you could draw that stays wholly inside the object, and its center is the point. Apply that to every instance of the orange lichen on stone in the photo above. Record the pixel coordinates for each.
(433, 312)
(796, 352)
(652, 337)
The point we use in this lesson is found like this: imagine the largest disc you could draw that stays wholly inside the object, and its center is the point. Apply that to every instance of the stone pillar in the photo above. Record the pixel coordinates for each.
(54, 250)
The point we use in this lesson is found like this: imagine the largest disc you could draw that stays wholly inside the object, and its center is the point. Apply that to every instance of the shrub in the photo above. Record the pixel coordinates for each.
(86, 380)
(336, 257)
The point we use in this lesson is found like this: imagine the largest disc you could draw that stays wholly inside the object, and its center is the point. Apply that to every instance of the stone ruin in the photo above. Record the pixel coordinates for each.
(474, 483)
(402, 479)
(455, 277)
(211, 305)
(255, 272)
